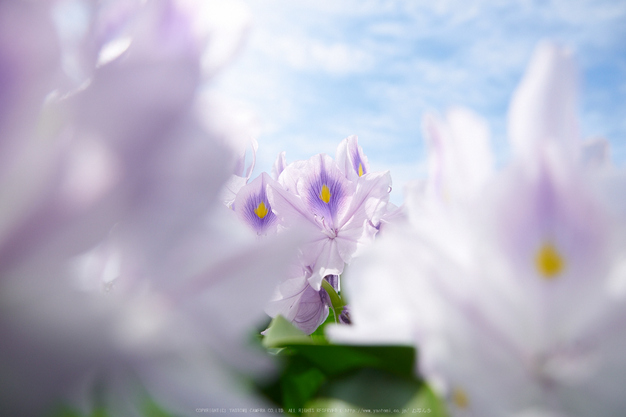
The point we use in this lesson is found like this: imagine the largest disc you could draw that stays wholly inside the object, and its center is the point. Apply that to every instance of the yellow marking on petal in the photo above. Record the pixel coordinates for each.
(325, 194)
(549, 261)
(460, 398)
(261, 210)
(360, 170)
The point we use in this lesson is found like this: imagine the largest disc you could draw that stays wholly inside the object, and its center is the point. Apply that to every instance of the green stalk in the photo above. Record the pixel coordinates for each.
(335, 300)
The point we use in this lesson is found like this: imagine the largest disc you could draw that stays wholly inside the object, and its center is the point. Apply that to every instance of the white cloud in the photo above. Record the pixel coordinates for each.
(307, 54)
(316, 71)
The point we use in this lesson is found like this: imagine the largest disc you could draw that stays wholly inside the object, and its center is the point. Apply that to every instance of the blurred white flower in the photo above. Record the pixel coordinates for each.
(510, 283)
(122, 278)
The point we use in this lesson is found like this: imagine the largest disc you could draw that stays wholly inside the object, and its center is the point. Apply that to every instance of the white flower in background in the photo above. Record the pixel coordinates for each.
(510, 283)
(122, 277)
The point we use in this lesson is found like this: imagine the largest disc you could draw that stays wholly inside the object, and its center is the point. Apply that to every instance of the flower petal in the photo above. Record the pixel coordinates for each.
(544, 106)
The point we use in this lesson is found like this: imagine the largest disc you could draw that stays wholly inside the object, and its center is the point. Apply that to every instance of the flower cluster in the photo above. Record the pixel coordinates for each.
(338, 205)
(510, 282)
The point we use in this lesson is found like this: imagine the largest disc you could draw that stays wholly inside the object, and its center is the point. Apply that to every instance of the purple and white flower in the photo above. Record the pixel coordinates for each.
(351, 159)
(299, 303)
(118, 264)
(335, 212)
(253, 207)
(513, 287)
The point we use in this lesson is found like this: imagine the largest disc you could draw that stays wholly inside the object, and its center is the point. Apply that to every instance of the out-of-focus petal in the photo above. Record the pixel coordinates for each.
(596, 153)
(279, 165)
(544, 107)
(459, 158)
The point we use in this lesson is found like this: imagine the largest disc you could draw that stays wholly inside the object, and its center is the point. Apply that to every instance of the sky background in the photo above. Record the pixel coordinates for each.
(314, 72)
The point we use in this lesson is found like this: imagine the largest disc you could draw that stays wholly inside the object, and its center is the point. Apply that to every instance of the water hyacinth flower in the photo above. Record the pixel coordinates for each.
(118, 263)
(253, 207)
(339, 210)
(512, 290)
(351, 159)
(335, 212)
(353, 162)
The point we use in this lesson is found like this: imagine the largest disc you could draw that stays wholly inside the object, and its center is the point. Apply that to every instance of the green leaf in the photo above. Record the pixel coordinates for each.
(300, 384)
(336, 301)
(372, 389)
(338, 359)
(281, 333)
(345, 372)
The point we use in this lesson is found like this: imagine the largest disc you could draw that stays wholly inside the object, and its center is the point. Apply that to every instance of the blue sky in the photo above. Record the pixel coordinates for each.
(315, 72)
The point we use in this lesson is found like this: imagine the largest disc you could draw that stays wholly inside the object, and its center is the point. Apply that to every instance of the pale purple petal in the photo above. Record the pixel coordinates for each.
(596, 153)
(329, 261)
(299, 303)
(289, 207)
(253, 206)
(544, 107)
(291, 175)
(240, 167)
(353, 238)
(326, 191)
(459, 158)
(230, 189)
(279, 165)
(350, 158)
(369, 200)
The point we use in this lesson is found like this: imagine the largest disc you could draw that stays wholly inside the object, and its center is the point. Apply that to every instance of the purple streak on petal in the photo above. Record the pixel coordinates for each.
(325, 298)
(333, 280)
(344, 317)
(249, 199)
(351, 159)
(359, 162)
(325, 173)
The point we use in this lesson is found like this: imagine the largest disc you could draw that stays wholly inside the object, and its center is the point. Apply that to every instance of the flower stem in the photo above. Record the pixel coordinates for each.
(335, 300)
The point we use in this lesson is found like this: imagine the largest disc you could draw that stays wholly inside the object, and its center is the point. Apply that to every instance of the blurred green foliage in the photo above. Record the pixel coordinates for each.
(319, 378)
